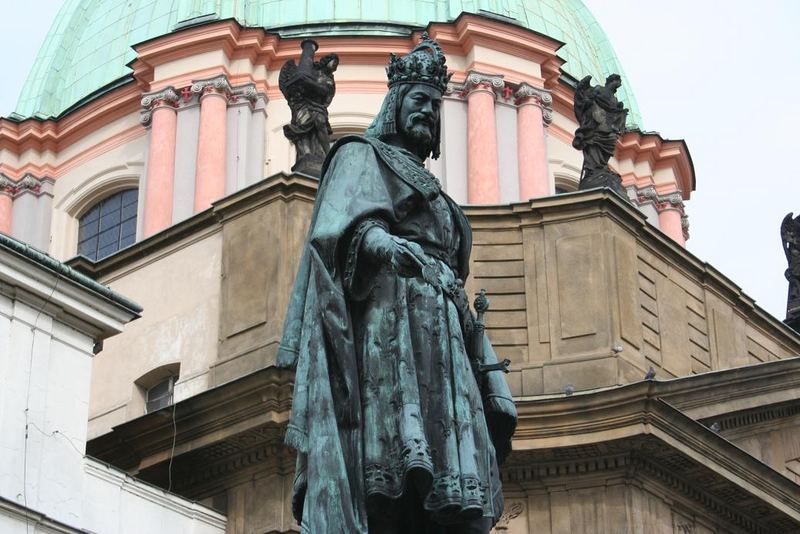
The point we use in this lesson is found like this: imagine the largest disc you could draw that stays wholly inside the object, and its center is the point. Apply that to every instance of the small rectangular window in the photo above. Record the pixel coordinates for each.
(160, 395)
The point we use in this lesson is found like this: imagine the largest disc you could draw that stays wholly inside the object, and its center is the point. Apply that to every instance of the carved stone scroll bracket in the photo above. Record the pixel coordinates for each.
(527, 93)
(166, 97)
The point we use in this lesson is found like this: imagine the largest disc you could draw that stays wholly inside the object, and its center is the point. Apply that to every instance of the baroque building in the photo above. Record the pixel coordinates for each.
(147, 152)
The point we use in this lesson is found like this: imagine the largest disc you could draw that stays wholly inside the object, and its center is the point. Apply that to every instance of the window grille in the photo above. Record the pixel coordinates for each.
(109, 225)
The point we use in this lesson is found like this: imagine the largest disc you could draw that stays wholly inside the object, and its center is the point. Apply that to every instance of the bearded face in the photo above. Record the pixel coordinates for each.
(418, 118)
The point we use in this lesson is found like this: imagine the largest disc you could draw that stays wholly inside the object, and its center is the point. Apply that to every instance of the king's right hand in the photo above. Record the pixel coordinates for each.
(404, 256)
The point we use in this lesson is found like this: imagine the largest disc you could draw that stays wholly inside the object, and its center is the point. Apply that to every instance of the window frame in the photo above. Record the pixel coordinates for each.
(112, 218)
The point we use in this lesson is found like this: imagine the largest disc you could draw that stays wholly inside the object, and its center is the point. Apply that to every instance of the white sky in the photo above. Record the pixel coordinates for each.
(721, 74)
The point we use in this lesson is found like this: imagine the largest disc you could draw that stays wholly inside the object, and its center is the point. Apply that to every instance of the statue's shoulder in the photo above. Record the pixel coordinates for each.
(349, 146)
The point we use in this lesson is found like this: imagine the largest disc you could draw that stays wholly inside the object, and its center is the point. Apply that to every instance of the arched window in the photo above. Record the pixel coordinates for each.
(109, 225)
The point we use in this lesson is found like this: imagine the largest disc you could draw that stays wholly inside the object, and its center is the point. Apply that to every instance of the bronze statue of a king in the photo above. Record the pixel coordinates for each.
(400, 417)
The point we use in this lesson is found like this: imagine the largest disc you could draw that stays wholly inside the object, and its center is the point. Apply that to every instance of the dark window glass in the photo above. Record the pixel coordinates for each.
(109, 225)
(160, 395)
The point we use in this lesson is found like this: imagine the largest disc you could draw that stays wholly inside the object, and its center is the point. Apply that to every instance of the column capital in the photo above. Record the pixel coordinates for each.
(7, 185)
(665, 202)
(218, 85)
(167, 98)
(662, 201)
(478, 81)
(670, 201)
(527, 94)
(246, 92)
(29, 183)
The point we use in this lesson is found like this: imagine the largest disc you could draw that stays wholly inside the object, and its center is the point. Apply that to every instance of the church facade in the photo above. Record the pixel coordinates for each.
(147, 152)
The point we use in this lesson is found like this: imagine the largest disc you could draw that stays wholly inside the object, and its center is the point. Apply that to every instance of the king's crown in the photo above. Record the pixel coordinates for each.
(425, 64)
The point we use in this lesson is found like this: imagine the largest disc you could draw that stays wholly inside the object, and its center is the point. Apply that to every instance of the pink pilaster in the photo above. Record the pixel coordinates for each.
(670, 221)
(160, 161)
(671, 216)
(211, 142)
(483, 186)
(6, 191)
(532, 117)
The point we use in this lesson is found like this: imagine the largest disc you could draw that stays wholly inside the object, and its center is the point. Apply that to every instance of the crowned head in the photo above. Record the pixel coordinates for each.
(409, 115)
(425, 64)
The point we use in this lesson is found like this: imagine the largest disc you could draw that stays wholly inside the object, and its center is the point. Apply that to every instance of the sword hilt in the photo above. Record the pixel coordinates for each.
(499, 366)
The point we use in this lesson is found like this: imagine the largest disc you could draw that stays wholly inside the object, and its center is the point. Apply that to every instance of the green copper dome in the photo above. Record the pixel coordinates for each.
(91, 41)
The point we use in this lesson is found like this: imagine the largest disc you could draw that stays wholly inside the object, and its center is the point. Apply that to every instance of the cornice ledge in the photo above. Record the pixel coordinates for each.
(685, 393)
(635, 410)
(703, 445)
(471, 26)
(147, 437)
(145, 248)
(279, 185)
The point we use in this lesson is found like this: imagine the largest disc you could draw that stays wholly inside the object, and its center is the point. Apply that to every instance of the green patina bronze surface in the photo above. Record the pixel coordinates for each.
(400, 418)
(90, 41)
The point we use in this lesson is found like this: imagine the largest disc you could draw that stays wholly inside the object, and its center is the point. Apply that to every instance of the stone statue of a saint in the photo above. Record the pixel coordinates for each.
(309, 89)
(790, 235)
(400, 417)
(601, 118)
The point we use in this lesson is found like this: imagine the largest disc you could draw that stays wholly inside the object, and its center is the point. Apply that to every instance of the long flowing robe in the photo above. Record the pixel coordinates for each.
(385, 395)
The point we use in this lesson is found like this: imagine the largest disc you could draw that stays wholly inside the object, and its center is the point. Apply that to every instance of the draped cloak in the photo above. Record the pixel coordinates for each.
(369, 183)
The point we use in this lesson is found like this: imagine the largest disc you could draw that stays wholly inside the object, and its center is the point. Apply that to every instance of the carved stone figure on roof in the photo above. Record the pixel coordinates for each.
(309, 89)
(401, 416)
(790, 235)
(601, 118)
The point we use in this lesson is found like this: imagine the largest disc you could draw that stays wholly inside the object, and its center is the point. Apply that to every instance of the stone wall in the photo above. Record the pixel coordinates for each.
(585, 293)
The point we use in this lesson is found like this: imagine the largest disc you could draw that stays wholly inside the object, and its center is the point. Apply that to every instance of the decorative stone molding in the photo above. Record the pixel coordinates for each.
(7, 186)
(217, 85)
(526, 93)
(167, 97)
(647, 194)
(673, 200)
(247, 92)
(477, 81)
(512, 511)
(685, 225)
(27, 184)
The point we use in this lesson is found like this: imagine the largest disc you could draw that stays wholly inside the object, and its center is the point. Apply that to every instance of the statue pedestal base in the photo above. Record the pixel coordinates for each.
(603, 178)
(309, 165)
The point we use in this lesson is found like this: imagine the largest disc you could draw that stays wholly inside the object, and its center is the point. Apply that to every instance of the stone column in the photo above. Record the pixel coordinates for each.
(671, 217)
(483, 184)
(210, 175)
(6, 199)
(160, 114)
(534, 113)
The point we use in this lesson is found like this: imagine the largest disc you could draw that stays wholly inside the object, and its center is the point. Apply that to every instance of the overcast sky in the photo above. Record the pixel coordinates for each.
(723, 75)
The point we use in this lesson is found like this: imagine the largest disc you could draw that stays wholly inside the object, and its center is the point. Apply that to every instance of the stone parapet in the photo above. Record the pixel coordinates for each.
(586, 295)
